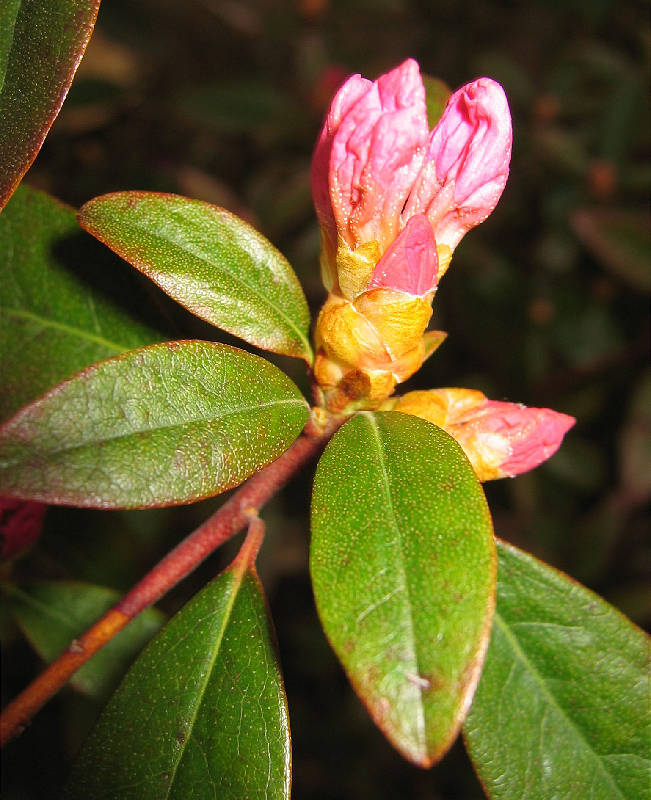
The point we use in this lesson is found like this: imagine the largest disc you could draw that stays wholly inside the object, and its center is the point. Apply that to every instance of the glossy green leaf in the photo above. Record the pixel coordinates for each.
(41, 45)
(210, 261)
(562, 708)
(62, 301)
(52, 613)
(403, 568)
(201, 714)
(170, 423)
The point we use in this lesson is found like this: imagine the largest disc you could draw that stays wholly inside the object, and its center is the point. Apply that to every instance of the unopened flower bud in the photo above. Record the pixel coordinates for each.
(393, 200)
(466, 165)
(500, 439)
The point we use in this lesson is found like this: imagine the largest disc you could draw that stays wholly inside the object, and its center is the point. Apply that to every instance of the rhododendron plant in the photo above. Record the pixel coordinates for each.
(100, 412)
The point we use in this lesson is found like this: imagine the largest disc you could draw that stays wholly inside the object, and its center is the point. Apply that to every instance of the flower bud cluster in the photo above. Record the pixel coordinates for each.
(394, 199)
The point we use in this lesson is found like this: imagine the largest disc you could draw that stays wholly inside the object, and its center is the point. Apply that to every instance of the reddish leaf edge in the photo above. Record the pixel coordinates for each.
(85, 221)
(7, 190)
(99, 506)
(473, 670)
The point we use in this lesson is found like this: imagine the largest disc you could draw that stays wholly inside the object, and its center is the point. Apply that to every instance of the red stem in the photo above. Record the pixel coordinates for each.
(230, 518)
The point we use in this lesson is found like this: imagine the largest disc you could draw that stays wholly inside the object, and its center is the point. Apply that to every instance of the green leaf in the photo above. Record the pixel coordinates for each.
(202, 713)
(166, 424)
(562, 708)
(52, 613)
(210, 261)
(403, 568)
(41, 45)
(437, 95)
(61, 299)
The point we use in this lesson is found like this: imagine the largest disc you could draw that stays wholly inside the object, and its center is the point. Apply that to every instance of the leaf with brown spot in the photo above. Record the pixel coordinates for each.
(403, 569)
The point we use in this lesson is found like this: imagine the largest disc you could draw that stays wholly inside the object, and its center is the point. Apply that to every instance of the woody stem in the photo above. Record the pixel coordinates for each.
(230, 518)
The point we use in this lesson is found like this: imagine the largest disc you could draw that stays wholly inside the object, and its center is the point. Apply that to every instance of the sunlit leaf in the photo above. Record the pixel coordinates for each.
(170, 423)
(202, 713)
(403, 568)
(210, 261)
(63, 299)
(52, 613)
(562, 708)
(41, 45)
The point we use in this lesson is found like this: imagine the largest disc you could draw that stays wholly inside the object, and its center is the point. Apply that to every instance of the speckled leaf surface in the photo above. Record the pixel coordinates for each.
(403, 569)
(165, 424)
(62, 301)
(52, 613)
(563, 708)
(210, 261)
(41, 45)
(201, 714)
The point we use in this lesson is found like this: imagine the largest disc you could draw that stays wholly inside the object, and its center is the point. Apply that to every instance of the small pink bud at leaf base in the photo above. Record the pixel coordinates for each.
(466, 165)
(500, 439)
(21, 523)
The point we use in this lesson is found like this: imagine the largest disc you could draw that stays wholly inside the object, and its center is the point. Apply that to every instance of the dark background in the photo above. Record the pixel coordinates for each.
(546, 303)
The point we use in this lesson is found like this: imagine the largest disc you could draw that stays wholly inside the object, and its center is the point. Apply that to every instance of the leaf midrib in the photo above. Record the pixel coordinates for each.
(235, 588)
(77, 332)
(520, 652)
(172, 426)
(387, 491)
(204, 259)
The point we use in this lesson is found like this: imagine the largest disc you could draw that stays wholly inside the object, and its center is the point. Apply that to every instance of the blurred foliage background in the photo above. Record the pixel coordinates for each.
(546, 302)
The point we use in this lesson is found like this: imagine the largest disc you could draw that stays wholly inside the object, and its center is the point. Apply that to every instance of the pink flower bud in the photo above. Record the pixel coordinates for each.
(500, 439)
(467, 162)
(393, 200)
(20, 525)
(533, 434)
(368, 155)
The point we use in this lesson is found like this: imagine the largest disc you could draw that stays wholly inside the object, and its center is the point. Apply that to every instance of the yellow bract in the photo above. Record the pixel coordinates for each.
(355, 267)
(447, 408)
(367, 346)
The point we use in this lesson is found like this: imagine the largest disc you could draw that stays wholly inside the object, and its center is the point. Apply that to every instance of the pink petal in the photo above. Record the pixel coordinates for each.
(467, 161)
(354, 88)
(376, 154)
(534, 434)
(411, 263)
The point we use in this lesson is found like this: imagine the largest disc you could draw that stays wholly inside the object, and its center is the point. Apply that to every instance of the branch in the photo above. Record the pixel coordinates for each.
(234, 515)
